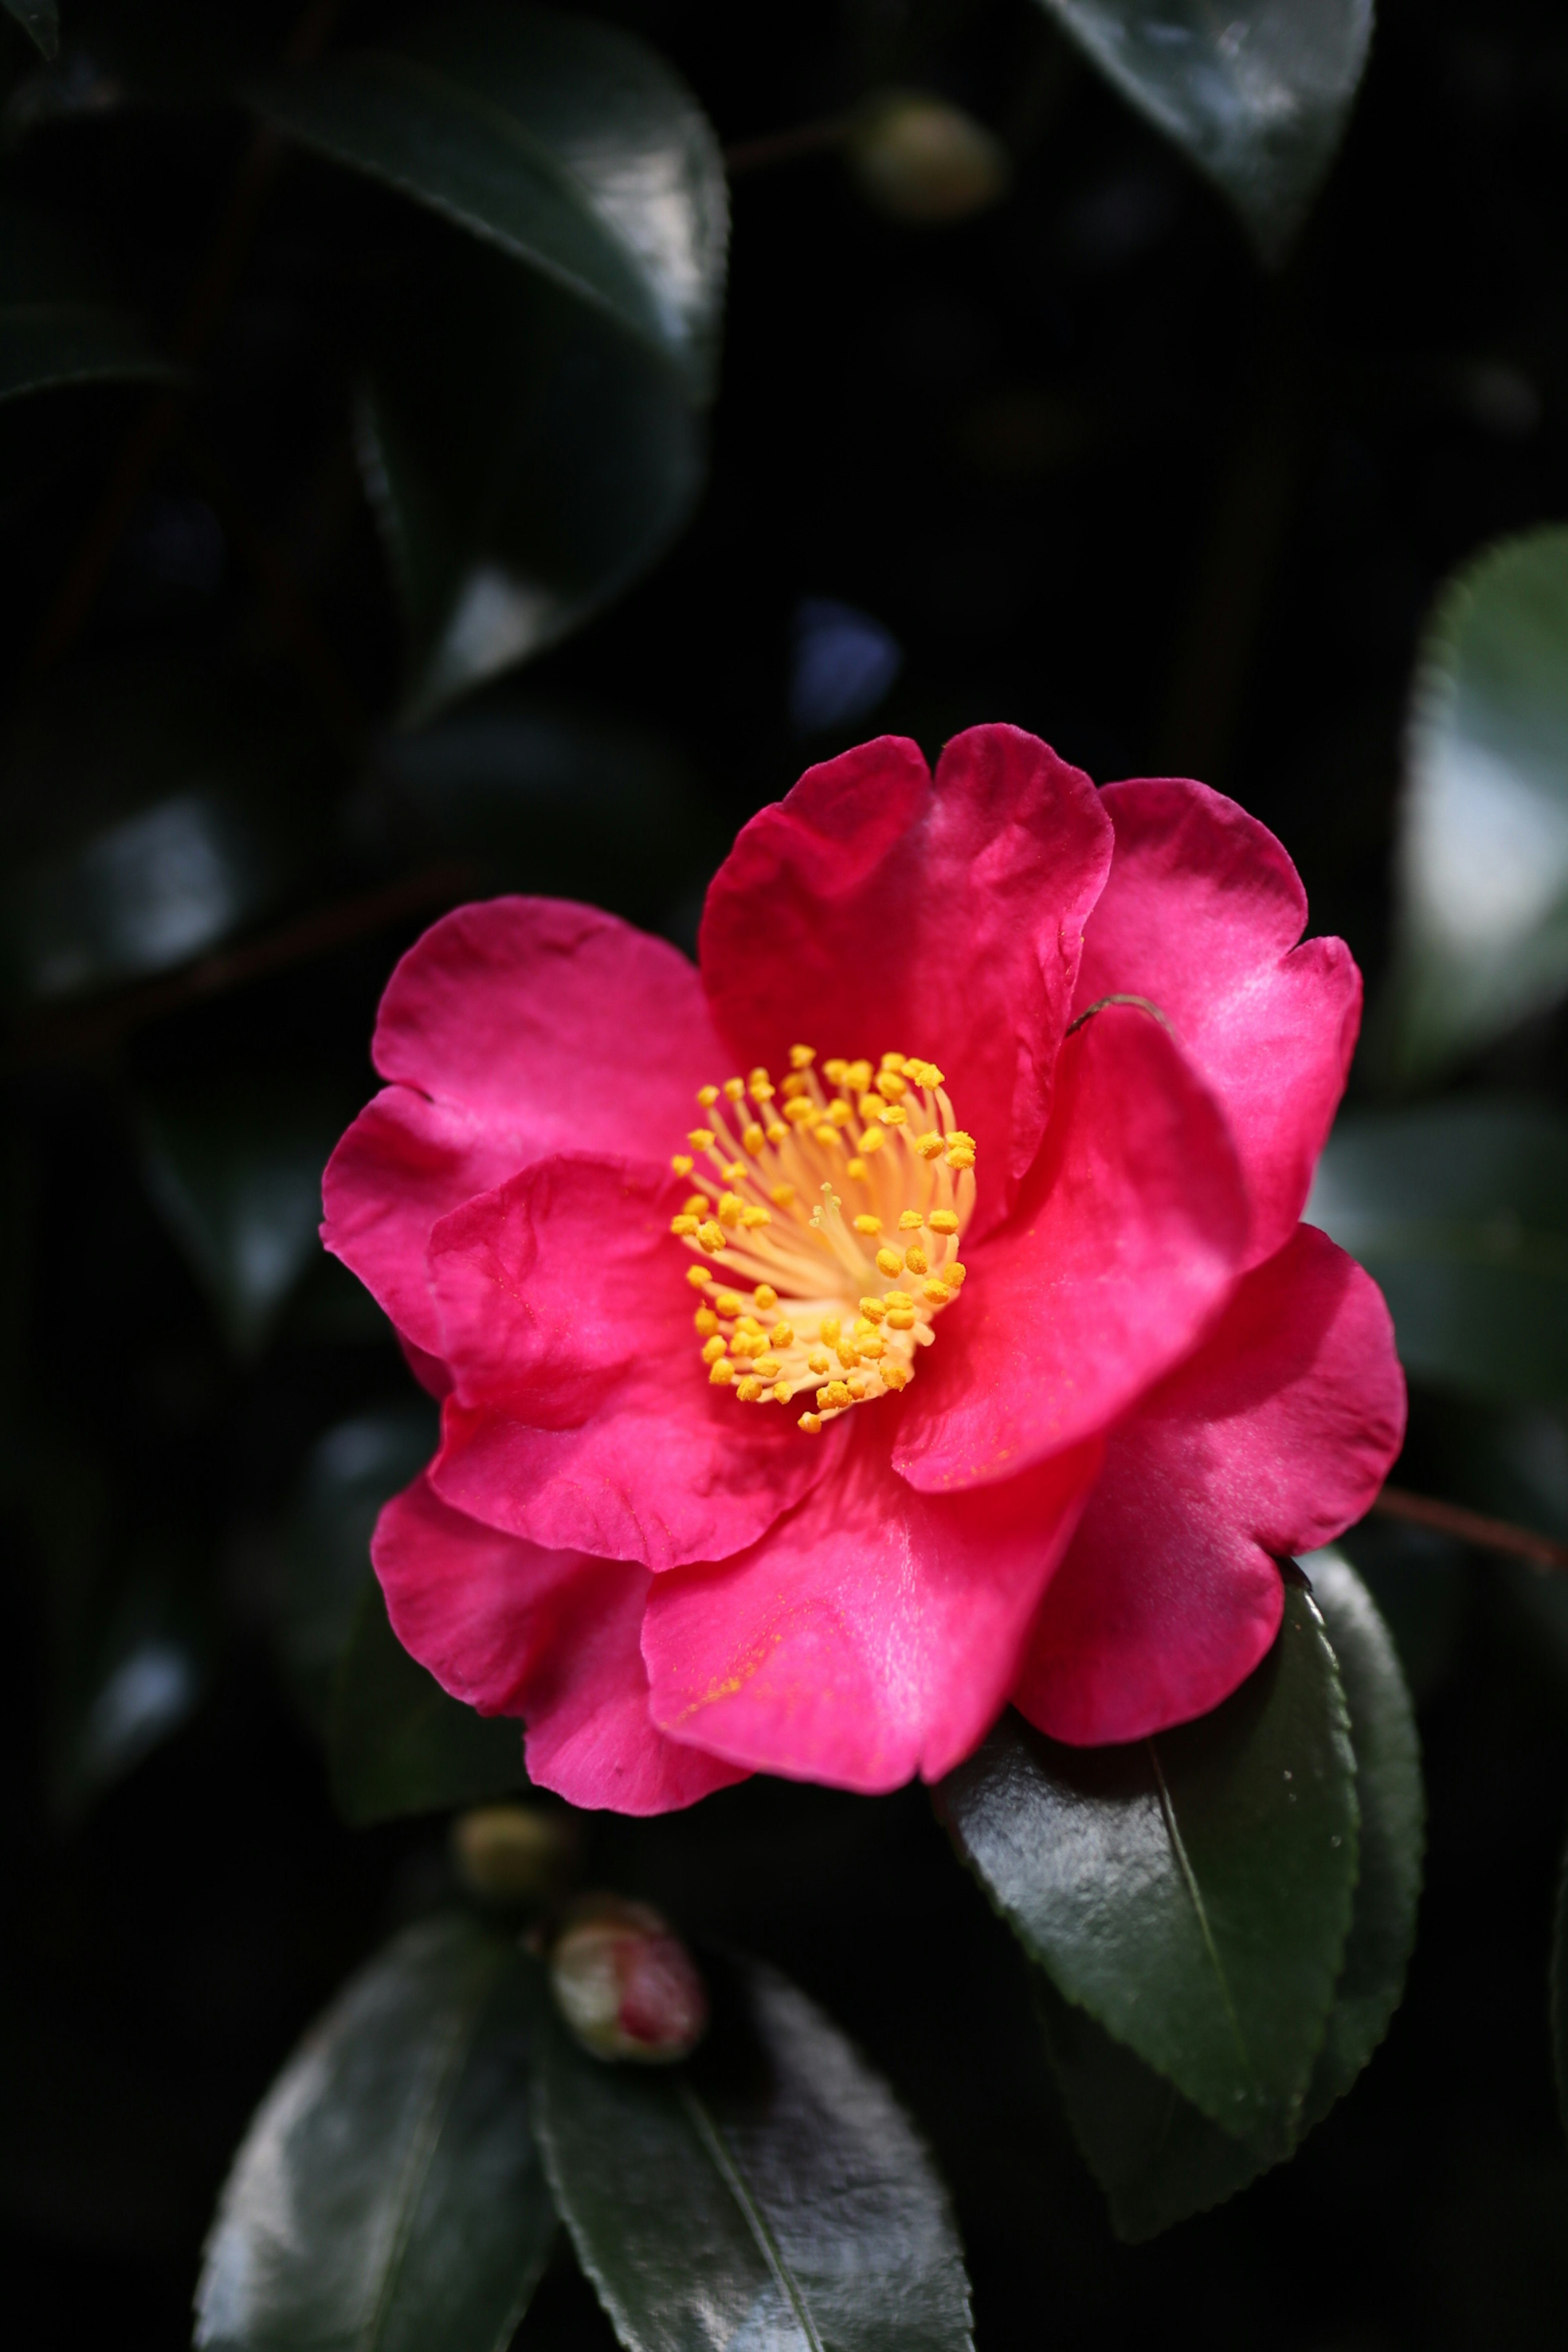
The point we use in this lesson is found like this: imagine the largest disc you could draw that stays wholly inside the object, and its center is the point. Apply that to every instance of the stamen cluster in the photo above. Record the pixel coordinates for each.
(827, 1289)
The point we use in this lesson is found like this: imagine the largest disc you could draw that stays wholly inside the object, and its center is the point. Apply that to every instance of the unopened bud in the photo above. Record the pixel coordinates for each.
(626, 1983)
(510, 1855)
(919, 159)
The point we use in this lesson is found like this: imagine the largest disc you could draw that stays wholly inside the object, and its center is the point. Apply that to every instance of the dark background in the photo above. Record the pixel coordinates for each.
(1096, 476)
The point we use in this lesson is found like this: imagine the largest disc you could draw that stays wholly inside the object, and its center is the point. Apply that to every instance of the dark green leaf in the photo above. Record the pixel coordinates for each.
(388, 2196)
(565, 143)
(1559, 1992)
(146, 1671)
(1482, 914)
(1192, 1892)
(525, 461)
(397, 1744)
(57, 327)
(353, 1470)
(1460, 1211)
(1155, 2156)
(1420, 1582)
(235, 1169)
(770, 2192)
(40, 19)
(1256, 94)
(146, 819)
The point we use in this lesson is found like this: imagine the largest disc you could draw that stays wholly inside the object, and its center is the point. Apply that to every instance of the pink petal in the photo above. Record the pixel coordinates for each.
(582, 1416)
(515, 1028)
(873, 1633)
(1201, 915)
(1124, 1243)
(552, 1636)
(1272, 1439)
(873, 908)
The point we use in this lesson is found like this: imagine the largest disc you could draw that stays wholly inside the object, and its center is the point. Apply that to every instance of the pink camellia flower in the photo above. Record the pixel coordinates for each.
(906, 1314)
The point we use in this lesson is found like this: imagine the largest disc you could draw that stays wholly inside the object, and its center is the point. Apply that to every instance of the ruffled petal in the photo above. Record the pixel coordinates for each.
(1124, 1243)
(1201, 915)
(875, 908)
(552, 1636)
(1273, 1439)
(581, 1417)
(872, 1634)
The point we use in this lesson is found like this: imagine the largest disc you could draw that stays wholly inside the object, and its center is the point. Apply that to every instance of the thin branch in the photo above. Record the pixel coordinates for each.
(1471, 1526)
(787, 146)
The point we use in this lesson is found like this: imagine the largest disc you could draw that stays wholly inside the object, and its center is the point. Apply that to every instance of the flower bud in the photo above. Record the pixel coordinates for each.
(626, 1983)
(513, 1854)
(919, 159)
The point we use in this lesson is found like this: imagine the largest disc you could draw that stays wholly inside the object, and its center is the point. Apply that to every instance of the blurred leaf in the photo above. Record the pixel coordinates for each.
(1155, 2156)
(1256, 94)
(146, 1673)
(1420, 1583)
(56, 326)
(1460, 1211)
(770, 2192)
(553, 801)
(1481, 933)
(146, 819)
(1192, 1892)
(388, 2195)
(40, 19)
(397, 1744)
(525, 461)
(565, 143)
(235, 1169)
(353, 1470)
(1559, 1992)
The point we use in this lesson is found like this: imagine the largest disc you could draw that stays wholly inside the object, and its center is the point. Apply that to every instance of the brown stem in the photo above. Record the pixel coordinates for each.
(787, 146)
(212, 289)
(87, 1030)
(1471, 1526)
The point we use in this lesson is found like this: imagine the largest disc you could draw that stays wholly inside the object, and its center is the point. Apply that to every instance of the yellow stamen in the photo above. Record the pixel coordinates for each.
(765, 1299)
(710, 1235)
(857, 1170)
(721, 1373)
(868, 1225)
(889, 1261)
(753, 1138)
(684, 1224)
(702, 1137)
(801, 1057)
(749, 1390)
(734, 1089)
(729, 1207)
(727, 1303)
(909, 1221)
(810, 1421)
(705, 1320)
(683, 1163)
(707, 1096)
(942, 1221)
(711, 1350)
(698, 1277)
(694, 1204)
(781, 1195)
(917, 1261)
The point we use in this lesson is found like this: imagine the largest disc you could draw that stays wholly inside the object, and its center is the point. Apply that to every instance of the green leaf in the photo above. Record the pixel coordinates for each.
(1481, 930)
(1256, 94)
(524, 459)
(1460, 1211)
(1559, 1992)
(40, 20)
(146, 819)
(567, 145)
(235, 1169)
(388, 2196)
(1155, 2156)
(397, 1744)
(770, 2192)
(56, 326)
(353, 1470)
(1192, 1892)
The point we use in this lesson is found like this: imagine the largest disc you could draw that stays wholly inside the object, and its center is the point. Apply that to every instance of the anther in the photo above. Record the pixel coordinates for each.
(753, 1138)
(834, 1071)
(702, 1137)
(873, 1309)
(909, 1221)
(694, 1204)
(707, 1095)
(868, 1225)
(710, 1235)
(683, 1163)
(937, 1293)
(735, 1171)
(827, 1330)
(889, 1262)
(749, 1390)
(781, 1195)
(729, 1207)
(753, 1215)
(800, 1111)
(705, 1321)
(929, 1146)
(857, 1168)
(764, 1298)
(942, 1221)
(698, 1277)
(889, 1083)
(781, 1336)
(892, 1061)
(901, 1318)
(817, 1362)
(776, 1130)
(684, 1225)
(917, 1261)
(857, 1076)
(712, 1349)
(727, 1302)
(721, 1373)
(801, 1057)
(954, 1274)
(781, 1393)
(810, 1421)
(839, 1112)
(734, 1089)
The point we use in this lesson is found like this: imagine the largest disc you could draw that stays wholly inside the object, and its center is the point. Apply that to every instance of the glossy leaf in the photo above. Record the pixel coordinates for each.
(146, 820)
(40, 20)
(396, 1743)
(1460, 1211)
(388, 2195)
(770, 2192)
(356, 1467)
(564, 142)
(1155, 2156)
(1482, 909)
(1192, 1892)
(56, 326)
(1256, 94)
(1559, 1992)
(235, 1169)
(525, 460)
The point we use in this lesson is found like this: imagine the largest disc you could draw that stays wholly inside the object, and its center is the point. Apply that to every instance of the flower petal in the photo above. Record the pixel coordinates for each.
(1201, 915)
(582, 1416)
(873, 1633)
(552, 1636)
(1272, 1439)
(874, 908)
(1125, 1241)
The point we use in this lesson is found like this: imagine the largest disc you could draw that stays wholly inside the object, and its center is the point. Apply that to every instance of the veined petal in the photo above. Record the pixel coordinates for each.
(1272, 1439)
(1124, 1243)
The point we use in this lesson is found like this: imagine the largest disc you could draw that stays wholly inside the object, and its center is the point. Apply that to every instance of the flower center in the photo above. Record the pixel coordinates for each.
(833, 1203)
